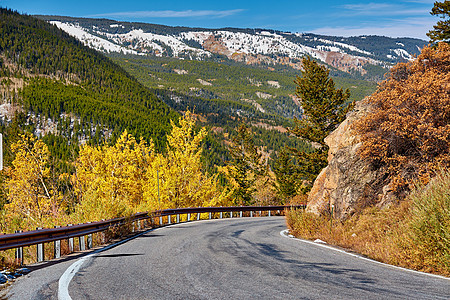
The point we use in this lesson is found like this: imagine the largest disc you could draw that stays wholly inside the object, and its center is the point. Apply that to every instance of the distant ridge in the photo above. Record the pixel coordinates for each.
(250, 46)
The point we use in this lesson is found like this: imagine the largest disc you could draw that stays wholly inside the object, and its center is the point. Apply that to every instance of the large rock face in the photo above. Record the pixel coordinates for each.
(348, 183)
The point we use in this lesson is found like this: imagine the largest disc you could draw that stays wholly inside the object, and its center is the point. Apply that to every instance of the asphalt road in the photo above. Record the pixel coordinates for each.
(230, 259)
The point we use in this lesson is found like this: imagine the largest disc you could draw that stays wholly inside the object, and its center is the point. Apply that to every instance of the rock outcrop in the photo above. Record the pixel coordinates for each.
(349, 183)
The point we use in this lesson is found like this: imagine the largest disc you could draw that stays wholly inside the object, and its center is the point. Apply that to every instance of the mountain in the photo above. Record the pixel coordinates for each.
(364, 55)
(66, 89)
(68, 94)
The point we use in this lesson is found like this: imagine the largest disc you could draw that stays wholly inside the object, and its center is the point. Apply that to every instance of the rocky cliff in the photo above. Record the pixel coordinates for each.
(348, 183)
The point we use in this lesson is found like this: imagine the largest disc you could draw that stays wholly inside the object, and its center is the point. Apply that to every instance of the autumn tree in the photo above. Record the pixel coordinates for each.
(441, 32)
(246, 167)
(324, 108)
(179, 174)
(32, 194)
(109, 180)
(408, 128)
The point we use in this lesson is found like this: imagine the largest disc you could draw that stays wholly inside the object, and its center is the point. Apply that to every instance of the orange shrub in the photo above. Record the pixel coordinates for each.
(408, 130)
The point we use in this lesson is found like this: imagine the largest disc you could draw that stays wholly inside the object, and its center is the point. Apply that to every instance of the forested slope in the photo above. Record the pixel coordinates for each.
(75, 85)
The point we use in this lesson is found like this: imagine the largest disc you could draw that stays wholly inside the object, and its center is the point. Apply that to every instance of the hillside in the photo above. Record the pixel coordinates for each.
(365, 56)
(68, 89)
(69, 94)
(270, 93)
(189, 74)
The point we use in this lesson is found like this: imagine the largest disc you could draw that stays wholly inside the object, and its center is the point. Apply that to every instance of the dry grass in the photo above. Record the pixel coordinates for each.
(414, 234)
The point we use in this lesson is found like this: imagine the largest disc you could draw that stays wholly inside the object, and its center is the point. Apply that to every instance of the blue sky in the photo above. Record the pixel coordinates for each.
(344, 18)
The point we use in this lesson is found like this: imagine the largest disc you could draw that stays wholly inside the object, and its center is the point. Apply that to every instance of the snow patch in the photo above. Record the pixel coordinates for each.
(203, 82)
(274, 83)
(343, 45)
(263, 95)
(91, 40)
(180, 72)
(402, 53)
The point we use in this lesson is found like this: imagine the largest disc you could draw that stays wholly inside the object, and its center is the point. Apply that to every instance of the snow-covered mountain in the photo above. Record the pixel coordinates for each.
(250, 46)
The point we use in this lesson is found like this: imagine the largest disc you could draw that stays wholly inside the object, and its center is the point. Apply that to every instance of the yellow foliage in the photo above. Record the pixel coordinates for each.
(33, 199)
(179, 174)
(119, 180)
(109, 180)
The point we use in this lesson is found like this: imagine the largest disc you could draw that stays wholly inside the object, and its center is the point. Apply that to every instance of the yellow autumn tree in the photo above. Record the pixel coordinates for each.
(33, 199)
(109, 179)
(182, 183)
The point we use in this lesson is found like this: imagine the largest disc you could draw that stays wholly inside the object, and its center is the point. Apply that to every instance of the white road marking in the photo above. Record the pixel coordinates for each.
(66, 278)
(285, 233)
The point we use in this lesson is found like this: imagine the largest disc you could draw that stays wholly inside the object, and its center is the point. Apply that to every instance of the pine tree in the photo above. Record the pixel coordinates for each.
(441, 30)
(246, 167)
(286, 183)
(324, 108)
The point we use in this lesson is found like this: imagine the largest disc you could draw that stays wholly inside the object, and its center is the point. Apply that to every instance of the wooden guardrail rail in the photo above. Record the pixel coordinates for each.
(41, 236)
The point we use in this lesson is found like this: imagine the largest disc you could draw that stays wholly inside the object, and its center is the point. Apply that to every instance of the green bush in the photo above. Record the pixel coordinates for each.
(430, 224)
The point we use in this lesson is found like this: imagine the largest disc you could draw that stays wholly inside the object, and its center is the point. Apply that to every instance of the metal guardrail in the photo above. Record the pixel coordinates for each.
(41, 236)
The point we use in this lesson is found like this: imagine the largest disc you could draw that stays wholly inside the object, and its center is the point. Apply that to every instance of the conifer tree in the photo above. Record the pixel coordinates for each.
(286, 183)
(324, 107)
(441, 30)
(246, 166)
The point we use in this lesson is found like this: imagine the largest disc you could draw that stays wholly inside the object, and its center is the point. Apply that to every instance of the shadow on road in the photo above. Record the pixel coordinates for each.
(119, 255)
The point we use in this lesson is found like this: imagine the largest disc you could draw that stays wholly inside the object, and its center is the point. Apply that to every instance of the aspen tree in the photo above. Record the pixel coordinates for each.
(34, 200)
(109, 180)
(179, 174)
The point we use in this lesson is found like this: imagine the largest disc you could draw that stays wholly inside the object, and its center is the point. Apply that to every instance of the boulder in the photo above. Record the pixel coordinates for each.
(349, 183)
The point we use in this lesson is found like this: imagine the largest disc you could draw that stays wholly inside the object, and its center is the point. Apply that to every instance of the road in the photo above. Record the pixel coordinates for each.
(230, 259)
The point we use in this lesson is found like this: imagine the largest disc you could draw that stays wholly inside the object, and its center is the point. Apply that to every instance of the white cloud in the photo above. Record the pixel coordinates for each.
(382, 9)
(171, 14)
(414, 27)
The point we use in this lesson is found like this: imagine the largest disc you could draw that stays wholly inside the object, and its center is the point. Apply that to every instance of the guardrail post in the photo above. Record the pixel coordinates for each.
(221, 215)
(70, 242)
(89, 243)
(210, 215)
(19, 253)
(240, 214)
(19, 256)
(188, 217)
(139, 225)
(231, 214)
(40, 250)
(178, 218)
(251, 213)
(169, 220)
(198, 216)
(269, 213)
(160, 221)
(81, 242)
(57, 247)
(260, 213)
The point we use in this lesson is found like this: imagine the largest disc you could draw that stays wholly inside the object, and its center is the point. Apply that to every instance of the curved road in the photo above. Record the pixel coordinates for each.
(233, 259)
